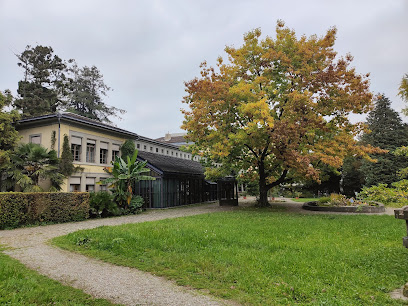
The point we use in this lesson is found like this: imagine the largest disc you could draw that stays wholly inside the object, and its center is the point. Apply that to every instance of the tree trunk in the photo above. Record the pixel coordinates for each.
(263, 189)
(263, 196)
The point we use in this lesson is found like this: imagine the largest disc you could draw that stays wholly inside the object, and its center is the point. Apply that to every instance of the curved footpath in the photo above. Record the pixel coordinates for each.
(118, 284)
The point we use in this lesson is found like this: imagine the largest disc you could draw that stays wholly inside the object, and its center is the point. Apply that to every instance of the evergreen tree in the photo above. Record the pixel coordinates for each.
(88, 90)
(127, 149)
(387, 132)
(66, 166)
(42, 90)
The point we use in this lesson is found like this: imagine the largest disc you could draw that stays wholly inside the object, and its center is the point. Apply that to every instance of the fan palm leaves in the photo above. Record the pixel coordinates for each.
(30, 163)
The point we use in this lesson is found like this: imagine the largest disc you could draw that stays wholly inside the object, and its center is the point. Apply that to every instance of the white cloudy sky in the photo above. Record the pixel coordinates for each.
(147, 49)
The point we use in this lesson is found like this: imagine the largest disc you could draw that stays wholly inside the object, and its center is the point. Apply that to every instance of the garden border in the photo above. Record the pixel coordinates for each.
(380, 208)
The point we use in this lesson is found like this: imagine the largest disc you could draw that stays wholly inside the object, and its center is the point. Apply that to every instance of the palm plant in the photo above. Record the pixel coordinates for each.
(31, 162)
(124, 176)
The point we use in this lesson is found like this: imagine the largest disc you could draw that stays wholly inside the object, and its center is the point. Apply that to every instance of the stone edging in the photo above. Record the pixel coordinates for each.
(347, 209)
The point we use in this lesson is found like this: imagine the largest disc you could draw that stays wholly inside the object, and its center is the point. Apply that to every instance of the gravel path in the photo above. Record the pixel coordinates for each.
(103, 280)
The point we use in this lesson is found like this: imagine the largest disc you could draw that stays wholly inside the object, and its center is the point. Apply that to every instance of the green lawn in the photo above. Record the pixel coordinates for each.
(21, 286)
(304, 200)
(263, 257)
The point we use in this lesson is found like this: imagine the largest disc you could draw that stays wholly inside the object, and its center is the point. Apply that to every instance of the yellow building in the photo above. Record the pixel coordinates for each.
(93, 144)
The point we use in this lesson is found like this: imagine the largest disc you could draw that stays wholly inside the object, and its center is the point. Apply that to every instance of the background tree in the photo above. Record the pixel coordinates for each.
(127, 149)
(42, 89)
(352, 178)
(88, 90)
(279, 106)
(9, 135)
(387, 132)
(31, 162)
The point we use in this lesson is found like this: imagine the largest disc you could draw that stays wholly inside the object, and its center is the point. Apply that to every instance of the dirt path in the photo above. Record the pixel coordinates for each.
(103, 280)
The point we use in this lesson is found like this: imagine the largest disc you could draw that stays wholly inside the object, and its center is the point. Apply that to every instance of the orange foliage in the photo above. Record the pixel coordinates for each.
(281, 105)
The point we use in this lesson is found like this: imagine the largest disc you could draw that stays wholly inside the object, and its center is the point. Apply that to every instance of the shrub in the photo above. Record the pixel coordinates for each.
(324, 200)
(18, 209)
(397, 196)
(102, 205)
(136, 204)
(339, 200)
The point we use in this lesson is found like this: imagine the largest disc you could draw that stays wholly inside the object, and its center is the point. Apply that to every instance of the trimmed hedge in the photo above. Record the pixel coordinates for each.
(24, 208)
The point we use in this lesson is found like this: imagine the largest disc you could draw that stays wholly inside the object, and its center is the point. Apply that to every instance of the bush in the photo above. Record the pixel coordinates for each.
(323, 200)
(136, 204)
(397, 196)
(18, 209)
(102, 205)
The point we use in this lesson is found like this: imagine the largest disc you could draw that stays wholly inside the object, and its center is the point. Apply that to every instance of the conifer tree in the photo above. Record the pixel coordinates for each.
(387, 132)
(127, 149)
(66, 166)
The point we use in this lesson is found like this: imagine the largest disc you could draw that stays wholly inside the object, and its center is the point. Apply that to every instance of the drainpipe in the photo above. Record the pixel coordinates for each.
(59, 132)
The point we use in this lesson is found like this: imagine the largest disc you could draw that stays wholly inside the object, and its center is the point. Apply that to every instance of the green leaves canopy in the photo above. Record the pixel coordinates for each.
(125, 175)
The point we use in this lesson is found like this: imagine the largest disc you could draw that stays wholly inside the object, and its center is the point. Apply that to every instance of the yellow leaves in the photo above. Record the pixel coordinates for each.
(260, 114)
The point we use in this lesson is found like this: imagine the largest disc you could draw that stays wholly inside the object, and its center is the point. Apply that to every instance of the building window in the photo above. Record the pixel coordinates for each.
(114, 154)
(103, 188)
(172, 153)
(75, 188)
(90, 151)
(90, 188)
(151, 149)
(167, 152)
(90, 184)
(138, 146)
(103, 156)
(176, 154)
(162, 150)
(76, 152)
(144, 148)
(157, 150)
(35, 139)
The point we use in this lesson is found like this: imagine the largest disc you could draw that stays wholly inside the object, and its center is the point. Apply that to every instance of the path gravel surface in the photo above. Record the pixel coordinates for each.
(122, 285)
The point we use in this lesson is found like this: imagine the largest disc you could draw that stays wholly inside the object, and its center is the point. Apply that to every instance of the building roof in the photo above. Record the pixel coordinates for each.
(156, 142)
(177, 139)
(71, 117)
(170, 165)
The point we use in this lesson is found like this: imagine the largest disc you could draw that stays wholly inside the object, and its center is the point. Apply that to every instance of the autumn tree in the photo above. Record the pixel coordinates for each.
(403, 91)
(43, 87)
(278, 108)
(87, 93)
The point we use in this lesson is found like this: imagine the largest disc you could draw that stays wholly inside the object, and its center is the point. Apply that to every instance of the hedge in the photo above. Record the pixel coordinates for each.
(25, 208)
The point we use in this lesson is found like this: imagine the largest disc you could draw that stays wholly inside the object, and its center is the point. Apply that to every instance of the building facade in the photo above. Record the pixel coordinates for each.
(94, 146)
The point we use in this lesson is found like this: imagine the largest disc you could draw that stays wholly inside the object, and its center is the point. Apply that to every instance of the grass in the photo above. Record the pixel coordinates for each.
(304, 200)
(21, 286)
(263, 257)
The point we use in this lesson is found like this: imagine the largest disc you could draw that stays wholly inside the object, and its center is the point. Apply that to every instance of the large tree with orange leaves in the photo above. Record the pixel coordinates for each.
(278, 109)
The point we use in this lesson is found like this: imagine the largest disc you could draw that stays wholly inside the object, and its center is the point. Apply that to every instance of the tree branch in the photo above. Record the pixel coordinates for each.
(279, 181)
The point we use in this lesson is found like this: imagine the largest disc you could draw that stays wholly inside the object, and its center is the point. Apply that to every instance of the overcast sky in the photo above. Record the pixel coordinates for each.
(147, 49)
